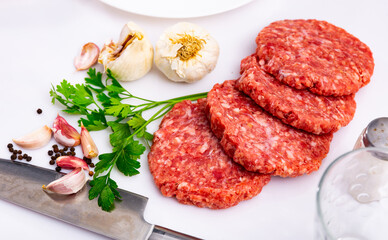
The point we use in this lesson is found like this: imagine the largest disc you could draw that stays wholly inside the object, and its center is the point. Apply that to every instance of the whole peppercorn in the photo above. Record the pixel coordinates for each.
(29, 158)
(25, 156)
(91, 165)
(57, 155)
(50, 152)
(72, 153)
(52, 162)
(10, 145)
(39, 111)
(20, 157)
(53, 158)
(72, 149)
(20, 152)
(13, 157)
(65, 148)
(91, 173)
(58, 169)
(11, 149)
(15, 151)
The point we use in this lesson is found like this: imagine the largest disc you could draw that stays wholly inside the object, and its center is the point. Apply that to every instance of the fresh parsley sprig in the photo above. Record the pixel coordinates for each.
(103, 104)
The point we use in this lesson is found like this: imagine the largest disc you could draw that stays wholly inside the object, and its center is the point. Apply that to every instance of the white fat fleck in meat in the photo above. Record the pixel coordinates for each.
(182, 185)
(204, 147)
(177, 140)
(313, 144)
(290, 154)
(225, 105)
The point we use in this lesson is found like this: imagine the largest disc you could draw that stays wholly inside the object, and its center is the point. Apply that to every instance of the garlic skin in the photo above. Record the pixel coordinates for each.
(131, 57)
(71, 162)
(68, 184)
(88, 56)
(35, 139)
(89, 148)
(185, 52)
(64, 133)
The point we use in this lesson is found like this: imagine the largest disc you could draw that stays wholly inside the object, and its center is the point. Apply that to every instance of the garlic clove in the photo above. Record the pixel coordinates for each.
(64, 133)
(89, 148)
(185, 52)
(35, 139)
(68, 184)
(131, 57)
(71, 162)
(88, 56)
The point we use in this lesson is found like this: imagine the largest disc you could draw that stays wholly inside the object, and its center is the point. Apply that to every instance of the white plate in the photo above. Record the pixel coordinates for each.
(176, 8)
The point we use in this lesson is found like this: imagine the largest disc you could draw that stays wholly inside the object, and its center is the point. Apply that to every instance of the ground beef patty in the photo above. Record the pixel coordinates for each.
(257, 140)
(315, 55)
(187, 161)
(299, 108)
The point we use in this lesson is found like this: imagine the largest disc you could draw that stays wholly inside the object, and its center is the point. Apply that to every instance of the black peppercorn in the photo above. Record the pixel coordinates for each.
(29, 158)
(91, 165)
(53, 158)
(39, 111)
(65, 148)
(13, 157)
(58, 169)
(72, 153)
(52, 162)
(25, 156)
(72, 149)
(11, 149)
(10, 145)
(20, 157)
(50, 152)
(20, 152)
(91, 173)
(15, 151)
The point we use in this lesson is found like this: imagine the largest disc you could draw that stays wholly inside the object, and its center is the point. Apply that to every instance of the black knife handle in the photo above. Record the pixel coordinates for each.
(162, 233)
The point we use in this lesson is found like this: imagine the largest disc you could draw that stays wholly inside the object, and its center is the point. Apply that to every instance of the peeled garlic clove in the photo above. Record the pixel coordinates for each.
(186, 52)
(35, 139)
(64, 133)
(88, 56)
(68, 184)
(89, 148)
(71, 162)
(131, 57)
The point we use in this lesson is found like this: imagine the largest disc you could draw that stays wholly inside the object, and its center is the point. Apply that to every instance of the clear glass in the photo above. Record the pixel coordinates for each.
(352, 198)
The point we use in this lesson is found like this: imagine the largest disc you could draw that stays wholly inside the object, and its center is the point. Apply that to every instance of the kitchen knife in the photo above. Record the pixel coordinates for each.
(21, 184)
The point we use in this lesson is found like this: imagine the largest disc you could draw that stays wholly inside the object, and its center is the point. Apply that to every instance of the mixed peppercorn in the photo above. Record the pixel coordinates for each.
(18, 154)
(56, 152)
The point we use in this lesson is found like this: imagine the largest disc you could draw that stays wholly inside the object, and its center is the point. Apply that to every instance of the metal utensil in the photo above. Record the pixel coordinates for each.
(21, 184)
(374, 135)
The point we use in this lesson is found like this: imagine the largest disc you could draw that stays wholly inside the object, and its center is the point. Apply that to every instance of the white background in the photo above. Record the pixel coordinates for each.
(39, 40)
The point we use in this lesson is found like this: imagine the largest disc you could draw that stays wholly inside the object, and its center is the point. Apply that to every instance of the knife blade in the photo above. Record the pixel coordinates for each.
(21, 184)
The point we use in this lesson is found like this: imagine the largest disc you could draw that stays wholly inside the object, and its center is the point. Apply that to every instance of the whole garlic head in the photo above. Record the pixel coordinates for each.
(186, 52)
(131, 57)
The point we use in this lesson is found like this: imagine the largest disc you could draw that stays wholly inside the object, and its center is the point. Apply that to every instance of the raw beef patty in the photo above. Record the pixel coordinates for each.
(259, 141)
(299, 108)
(315, 55)
(188, 162)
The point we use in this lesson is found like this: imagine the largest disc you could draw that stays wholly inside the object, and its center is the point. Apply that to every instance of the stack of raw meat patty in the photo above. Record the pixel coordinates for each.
(277, 119)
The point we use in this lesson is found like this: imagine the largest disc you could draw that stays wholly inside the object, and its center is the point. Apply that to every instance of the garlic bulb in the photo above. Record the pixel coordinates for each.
(186, 52)
(131, 57)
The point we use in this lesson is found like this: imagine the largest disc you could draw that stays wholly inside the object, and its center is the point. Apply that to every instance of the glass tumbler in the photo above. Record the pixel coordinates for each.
(352, 198)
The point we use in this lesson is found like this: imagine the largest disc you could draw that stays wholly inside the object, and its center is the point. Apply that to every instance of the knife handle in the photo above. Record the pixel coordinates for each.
(162, 233)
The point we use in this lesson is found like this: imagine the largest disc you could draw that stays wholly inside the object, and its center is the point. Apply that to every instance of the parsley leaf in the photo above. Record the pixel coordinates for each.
(98, 100)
